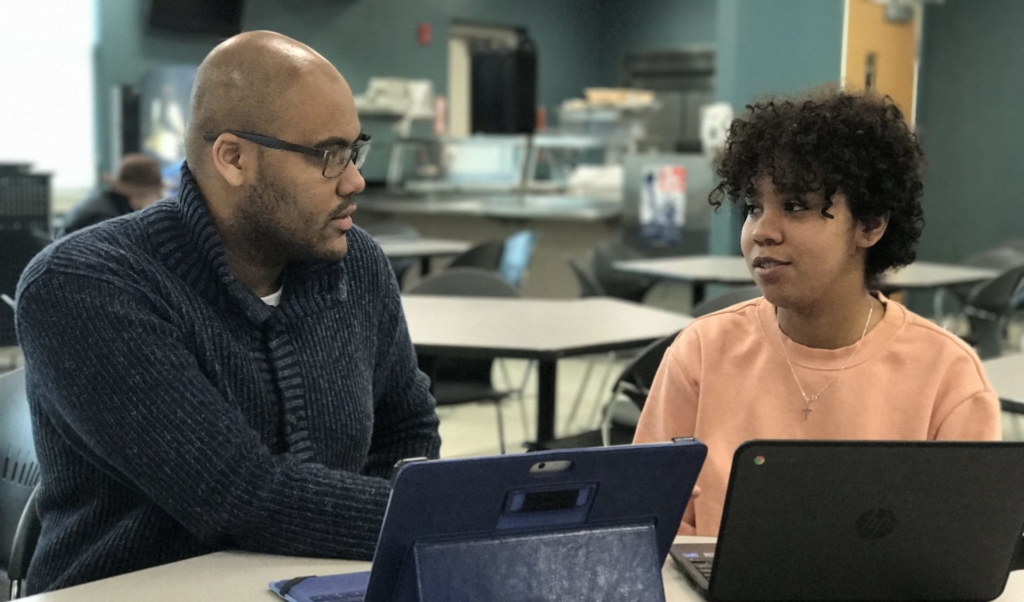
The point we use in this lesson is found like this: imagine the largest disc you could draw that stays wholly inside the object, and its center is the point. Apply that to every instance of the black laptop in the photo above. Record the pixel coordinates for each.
(865, 521)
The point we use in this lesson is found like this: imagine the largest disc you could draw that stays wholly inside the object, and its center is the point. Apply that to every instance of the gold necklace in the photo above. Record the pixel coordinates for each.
(808, 400)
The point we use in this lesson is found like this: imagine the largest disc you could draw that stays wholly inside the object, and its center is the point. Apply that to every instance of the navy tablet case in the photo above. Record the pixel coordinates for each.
(572, 524)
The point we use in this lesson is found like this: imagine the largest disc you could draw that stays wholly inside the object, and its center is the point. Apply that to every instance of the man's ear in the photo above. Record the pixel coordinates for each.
(232, 159)
(870, 231)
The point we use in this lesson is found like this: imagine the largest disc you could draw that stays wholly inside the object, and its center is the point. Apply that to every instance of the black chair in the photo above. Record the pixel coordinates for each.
(621, 285)
(588, 285)
(636, 380)
(988, 307)
(20, 471)
(465, 282)
(510, 257)
(392, 229)
(24, 546)
(620, 415)
(486, 256)
(459, 381)
(1004, 257)
(725, 300)
(605, 281)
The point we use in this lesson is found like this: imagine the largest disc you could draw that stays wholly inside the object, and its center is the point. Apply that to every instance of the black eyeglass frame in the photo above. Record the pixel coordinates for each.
(355, 152)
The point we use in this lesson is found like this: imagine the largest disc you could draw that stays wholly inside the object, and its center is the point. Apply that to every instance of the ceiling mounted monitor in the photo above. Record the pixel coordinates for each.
(210, 17)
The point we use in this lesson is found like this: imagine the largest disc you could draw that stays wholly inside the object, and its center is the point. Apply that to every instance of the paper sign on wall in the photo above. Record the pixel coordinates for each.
(663, 202)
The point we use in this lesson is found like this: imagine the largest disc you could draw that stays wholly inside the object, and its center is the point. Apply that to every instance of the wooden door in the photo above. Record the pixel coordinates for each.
(882, 53)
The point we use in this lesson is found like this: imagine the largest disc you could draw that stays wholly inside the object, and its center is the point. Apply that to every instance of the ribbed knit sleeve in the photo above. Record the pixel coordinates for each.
(176, 414)
(123, 384)
(405, 420)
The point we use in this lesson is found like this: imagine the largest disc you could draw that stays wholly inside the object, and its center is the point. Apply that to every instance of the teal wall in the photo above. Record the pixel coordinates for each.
(363, 38)
(969, 103)
(971, 121)
(763, 46)
(781, 46)
(776, 47)
(124, 54)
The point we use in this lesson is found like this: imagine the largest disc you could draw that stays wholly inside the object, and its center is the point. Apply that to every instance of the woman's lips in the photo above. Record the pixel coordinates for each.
(768, 268)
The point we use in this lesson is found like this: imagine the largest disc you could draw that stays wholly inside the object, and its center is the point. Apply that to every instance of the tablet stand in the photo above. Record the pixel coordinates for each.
(612, 564)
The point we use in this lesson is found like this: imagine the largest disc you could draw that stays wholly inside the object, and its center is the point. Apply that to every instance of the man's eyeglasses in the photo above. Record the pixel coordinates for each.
(335, 159)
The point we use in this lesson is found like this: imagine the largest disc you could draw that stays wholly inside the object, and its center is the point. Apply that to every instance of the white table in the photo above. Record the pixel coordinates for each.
(539, 329)
(698, 269)
(924, 275)
(1007, 376)
(397, 247)
(243, 577)
(712, 269)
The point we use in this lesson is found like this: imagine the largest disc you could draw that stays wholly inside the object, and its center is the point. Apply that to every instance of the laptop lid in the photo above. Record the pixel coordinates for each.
(507, 498)
(859, 520)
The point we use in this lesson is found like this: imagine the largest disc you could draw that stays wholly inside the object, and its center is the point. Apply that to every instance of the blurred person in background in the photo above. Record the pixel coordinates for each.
(138, 185)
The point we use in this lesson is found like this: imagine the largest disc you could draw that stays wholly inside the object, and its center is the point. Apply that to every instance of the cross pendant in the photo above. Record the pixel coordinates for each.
(807, 411)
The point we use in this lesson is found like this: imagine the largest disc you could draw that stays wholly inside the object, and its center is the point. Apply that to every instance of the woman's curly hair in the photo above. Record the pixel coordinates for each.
(832, 142)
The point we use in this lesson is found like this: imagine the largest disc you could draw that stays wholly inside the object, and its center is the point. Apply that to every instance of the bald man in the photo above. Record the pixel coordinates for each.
(230, 368)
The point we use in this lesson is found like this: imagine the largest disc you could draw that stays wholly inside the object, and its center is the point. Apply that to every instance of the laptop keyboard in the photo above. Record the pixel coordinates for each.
(702, 562)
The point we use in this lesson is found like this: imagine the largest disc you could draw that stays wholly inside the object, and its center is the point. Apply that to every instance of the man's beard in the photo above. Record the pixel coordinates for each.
(264, 225)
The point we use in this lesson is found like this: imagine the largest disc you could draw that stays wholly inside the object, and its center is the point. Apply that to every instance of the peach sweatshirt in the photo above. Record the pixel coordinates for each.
(725, 381)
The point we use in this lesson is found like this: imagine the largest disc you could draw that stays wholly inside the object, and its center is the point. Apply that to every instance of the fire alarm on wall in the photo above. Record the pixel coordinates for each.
(424, 33)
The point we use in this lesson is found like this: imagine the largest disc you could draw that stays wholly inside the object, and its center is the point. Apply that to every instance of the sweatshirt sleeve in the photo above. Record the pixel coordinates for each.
(405, 418)
(120, 382)
(968, 408)
(976, 418)
(671, 407)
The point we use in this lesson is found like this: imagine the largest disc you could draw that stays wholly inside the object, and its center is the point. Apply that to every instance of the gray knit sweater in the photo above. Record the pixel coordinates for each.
(176, 414)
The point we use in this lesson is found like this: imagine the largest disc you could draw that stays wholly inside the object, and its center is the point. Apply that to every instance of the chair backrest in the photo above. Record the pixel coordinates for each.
(25, 539)
(995, 296)
(19, 469)
(1017, 298)
(1017, 244)
(516, 256)
(486, 256)
(727, 299)
(621, 285)
(392, 229)
(464, 282)
(636, 379)
(589, 286)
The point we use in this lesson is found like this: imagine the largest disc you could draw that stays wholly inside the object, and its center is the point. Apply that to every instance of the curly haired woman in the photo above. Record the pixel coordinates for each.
(831, 189)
